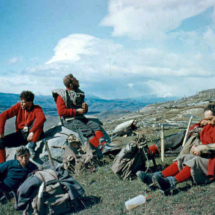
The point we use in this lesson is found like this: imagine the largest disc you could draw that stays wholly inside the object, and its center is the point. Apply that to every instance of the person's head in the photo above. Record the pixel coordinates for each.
(71, 82)
(209, 113)
(23, 155)
(27, 98)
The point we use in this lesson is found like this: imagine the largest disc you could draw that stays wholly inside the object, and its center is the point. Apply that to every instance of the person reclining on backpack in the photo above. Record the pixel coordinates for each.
(14, 172)
(174, 142)
(198, 164)
(70, 104)
(29, 125)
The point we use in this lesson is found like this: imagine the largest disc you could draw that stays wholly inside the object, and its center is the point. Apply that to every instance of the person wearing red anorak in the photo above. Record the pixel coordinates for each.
(71, 107)
(174, 142)
(198, 164)
(29, 125)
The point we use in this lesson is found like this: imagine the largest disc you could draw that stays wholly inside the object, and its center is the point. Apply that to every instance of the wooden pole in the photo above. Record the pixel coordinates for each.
(186, 135)
(49, 154)
(162, 143)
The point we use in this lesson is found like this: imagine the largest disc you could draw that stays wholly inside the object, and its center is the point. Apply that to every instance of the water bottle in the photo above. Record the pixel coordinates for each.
(136, 201)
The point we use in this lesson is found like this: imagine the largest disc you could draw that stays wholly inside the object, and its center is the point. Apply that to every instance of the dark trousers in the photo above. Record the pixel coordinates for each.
(86, 126)
(17, 139)
(3, 187)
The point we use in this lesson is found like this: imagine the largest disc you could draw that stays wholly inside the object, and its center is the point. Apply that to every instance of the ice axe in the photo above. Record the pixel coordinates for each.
(49, 153)
(188, 127)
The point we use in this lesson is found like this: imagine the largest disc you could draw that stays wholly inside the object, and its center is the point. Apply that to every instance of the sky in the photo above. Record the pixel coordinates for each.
(116, 48)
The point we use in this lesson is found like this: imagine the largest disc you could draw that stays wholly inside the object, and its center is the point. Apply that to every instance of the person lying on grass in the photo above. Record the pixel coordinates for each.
(14, 172)
(198, 164)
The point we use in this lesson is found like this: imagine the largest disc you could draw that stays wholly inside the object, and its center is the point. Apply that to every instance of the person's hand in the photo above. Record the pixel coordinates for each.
(195, 150)
(1, 135)
(30, 136)
(85, 107)
(203, 122)
(80, 111)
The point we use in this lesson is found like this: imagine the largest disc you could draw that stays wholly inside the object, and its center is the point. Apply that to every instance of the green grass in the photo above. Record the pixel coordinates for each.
(107, 195)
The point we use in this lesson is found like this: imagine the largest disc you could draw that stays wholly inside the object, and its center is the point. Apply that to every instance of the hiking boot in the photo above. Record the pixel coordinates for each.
(147, 177)
(165, 184)
(31, 147)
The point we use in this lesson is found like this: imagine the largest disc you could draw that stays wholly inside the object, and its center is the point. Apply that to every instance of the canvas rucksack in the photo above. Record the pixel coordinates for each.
(52, 197)
(133, 157)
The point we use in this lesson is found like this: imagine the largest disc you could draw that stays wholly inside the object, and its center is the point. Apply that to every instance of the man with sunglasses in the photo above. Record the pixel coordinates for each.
(29, 125)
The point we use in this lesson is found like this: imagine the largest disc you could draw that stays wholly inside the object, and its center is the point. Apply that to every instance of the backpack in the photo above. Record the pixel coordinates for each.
(51, 197)
(132, 158)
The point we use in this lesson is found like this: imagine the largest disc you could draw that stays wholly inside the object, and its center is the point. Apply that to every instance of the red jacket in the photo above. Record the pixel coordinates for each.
(207, 136)
(62, 109)
(197, 125)
(34, 116)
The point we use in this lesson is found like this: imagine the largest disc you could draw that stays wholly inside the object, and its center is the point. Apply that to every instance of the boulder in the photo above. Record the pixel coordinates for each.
(125, 128)
(55, 136)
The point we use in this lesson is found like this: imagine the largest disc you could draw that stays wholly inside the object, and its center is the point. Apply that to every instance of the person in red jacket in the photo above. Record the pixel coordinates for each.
(175, 141)
(198, 164)
(72, 107)
(29, 125)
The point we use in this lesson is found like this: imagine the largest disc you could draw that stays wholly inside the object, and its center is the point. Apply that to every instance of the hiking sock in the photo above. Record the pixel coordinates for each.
(153, 149)
(184, 174)
(100, 136)
(2, 155)
(94, 141)
(171, 170)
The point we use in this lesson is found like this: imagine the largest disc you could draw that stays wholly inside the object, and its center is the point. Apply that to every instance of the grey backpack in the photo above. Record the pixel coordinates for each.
(51, 197)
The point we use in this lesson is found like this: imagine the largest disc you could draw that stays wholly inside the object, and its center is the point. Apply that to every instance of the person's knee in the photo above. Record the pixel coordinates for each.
(197, 158)
(38, 135)
(94, 126)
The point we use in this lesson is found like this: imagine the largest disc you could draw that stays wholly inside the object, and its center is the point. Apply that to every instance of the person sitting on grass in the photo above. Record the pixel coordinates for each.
(174, 142)
(29, 125)
(14, 172)
(198, 165)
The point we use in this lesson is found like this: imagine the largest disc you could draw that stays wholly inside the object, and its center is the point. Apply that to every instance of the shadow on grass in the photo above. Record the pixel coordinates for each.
(86, 203)
(185, 188)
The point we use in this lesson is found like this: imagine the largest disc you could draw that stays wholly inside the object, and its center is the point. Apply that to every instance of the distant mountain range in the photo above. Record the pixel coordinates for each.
(96, 104)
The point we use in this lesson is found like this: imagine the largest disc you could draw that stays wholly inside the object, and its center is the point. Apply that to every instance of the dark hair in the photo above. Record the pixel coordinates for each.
(21, 150)
(27, 95)
(67, 80)
(210, 107)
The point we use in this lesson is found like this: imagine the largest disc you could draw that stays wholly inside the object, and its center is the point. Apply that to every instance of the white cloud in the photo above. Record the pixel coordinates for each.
(13, 60)
(161, 89)
(110, 70)
(145, 19)
(71, 47)
(130, 85)
(179, 86)
(209, 38)
(213, 15)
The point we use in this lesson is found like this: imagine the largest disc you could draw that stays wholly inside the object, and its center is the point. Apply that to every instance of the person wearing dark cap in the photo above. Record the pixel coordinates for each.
(29, 125)
(14, 172)
(71, 105)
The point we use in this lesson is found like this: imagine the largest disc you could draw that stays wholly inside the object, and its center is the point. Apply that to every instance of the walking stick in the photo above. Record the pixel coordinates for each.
(162, 143)
(49, 154)
(186, 135)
